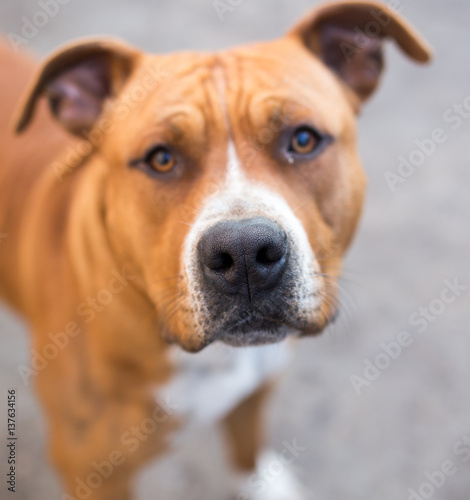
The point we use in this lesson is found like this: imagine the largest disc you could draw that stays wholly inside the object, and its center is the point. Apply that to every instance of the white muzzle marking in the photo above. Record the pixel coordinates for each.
(237, 199)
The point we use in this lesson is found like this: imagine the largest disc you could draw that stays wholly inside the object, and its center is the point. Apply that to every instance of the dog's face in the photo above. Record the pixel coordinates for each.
(231, 180)
(245, 189)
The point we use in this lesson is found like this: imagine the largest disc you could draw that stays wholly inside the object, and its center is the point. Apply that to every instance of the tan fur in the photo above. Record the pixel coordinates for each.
(69, 233)
(245, 432)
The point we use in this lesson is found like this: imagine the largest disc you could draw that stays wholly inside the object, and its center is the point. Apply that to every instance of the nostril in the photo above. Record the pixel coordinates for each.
(266, 256)
(270, 254)
(221, 262)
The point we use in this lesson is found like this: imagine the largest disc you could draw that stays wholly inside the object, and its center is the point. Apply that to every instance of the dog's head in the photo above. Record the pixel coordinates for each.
(232, 182)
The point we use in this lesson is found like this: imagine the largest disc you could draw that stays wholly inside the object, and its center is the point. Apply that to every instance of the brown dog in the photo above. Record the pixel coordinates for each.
(204, 198)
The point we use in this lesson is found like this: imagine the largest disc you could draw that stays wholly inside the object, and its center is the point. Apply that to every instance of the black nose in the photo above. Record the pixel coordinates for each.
(243, 256)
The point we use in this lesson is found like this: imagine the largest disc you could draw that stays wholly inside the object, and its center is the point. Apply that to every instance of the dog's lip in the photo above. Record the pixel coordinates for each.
(262, 334)
(255, 320)
(259, 324)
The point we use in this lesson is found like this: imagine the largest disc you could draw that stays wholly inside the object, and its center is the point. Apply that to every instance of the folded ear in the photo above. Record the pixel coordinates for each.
(348, 37)
(76, 80)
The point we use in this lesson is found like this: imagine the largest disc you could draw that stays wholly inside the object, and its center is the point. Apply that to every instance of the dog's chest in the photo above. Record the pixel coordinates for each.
(206, 386)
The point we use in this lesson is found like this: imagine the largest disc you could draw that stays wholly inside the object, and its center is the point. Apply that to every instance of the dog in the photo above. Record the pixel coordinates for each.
(173, 223)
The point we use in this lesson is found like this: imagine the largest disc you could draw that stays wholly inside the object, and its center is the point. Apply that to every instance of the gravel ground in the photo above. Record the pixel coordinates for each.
(410, 420)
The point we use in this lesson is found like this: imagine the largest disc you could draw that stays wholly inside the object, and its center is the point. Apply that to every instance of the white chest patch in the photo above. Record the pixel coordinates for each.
(209, 384)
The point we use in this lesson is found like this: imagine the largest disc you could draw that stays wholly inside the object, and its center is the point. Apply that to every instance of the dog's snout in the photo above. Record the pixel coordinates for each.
(243, 256)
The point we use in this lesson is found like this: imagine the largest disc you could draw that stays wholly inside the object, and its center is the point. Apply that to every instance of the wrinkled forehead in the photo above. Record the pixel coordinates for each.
(239, 90)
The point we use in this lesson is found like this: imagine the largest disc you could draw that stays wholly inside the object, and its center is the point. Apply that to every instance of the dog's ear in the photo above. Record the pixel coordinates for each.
(77, 80)
(348, 37)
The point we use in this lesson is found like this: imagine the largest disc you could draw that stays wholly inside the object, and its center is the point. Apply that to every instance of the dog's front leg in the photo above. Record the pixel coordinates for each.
(244, 430)
(98, 440)
(260, 473)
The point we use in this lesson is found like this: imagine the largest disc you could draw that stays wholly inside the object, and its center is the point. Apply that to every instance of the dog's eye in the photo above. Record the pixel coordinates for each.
(304, 141)
(160, 159)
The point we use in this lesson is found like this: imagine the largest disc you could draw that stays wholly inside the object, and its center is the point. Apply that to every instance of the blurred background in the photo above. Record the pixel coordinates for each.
(379, 440)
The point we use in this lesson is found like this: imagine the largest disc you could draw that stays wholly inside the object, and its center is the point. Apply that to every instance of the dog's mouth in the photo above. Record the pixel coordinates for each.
(268, 321)
(239, 324)
(254, 328)
(255, 321)
(256, 336)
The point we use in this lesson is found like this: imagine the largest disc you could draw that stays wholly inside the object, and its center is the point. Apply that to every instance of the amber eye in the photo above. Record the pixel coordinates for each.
(304, 141)
(161, 160)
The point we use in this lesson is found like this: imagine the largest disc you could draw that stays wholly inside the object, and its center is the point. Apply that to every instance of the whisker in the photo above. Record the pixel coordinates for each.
(185, 223)
(300, 206)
